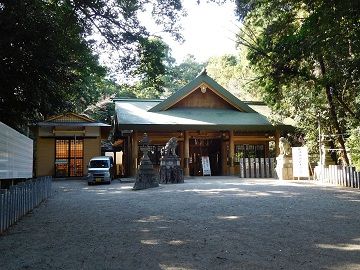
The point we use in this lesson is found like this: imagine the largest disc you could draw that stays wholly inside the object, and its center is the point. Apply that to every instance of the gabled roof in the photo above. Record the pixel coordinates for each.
(202, 80)
(134, 114)
(182, 111)
(71, 119)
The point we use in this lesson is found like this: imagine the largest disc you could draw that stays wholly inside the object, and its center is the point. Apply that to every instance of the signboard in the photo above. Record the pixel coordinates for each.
(61, 161)
(300, 162)
(206, 165)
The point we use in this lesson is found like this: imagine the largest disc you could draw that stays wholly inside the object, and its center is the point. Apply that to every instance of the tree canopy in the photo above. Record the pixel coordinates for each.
(178, 75)
(45, 65)
(48, 61)
(306, 57)
(233, 72)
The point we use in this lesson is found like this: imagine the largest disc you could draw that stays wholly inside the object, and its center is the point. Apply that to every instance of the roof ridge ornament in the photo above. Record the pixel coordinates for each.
(202, 72)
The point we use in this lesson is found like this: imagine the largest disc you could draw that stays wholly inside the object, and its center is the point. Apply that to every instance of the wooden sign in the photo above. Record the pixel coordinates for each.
(300, 159)
(206, 165)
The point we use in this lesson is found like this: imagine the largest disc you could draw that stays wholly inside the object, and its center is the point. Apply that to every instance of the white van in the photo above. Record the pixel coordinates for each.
(100, 170)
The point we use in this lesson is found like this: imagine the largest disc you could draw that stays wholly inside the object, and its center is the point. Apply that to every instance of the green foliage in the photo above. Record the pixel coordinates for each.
(47, 59)
(179, 75)
(45, 65)
(104, 109)
(159, 76)
(353, 143)
(222, 68)
(118, 25)
(233, 73)
(306, 55)
(154, 55)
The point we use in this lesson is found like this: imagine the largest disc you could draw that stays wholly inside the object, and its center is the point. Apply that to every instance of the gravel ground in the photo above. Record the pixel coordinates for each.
(205, 223)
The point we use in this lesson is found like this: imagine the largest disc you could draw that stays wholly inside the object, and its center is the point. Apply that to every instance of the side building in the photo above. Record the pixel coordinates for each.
(65, 143)
(206, 119)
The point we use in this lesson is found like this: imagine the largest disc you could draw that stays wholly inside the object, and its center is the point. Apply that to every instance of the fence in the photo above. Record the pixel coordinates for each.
(338, 175)
(256, 167)
(20, 199)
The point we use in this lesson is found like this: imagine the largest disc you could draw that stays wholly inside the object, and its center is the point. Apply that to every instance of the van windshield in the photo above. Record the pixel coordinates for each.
(99, 164)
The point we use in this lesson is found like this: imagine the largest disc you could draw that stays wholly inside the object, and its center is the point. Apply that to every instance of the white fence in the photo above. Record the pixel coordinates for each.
(20, 199)
(257, 167)
(338, 175)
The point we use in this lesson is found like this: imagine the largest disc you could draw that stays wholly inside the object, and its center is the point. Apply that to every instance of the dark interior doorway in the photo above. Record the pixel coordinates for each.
(205, 147)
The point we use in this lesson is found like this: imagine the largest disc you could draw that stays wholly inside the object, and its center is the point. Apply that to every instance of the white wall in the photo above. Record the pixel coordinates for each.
(16, 154)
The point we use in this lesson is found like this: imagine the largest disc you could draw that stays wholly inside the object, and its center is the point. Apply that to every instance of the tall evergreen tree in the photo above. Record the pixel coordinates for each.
(47, 59)
(306, 54)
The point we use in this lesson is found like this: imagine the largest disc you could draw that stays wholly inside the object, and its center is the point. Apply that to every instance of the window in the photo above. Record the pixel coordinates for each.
(99, 164)
(69, 156)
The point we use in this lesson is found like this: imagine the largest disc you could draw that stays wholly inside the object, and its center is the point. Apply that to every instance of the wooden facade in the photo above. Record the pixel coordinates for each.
(65, 144)
(206, 119)
(222, 148)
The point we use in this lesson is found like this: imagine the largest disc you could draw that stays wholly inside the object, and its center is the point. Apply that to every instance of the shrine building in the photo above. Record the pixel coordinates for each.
(65, 143)
(206, 119)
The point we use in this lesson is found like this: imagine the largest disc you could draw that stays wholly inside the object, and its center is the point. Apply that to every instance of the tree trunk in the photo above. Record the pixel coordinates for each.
(333, 114)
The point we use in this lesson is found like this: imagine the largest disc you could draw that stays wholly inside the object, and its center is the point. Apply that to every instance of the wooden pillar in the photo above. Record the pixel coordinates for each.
(231, 152)
(277, 139)
(181, 153)
(134, 153)
(223, 158)
(186, 153)
(127, 157)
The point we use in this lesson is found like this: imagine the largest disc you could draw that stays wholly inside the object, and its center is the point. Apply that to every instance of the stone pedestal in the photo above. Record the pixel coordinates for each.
(284, 167)
(170, 170)
(146, 176)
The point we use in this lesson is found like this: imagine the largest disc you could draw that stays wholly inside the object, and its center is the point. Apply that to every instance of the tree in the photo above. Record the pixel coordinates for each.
(45, 65)
(117, 27)
(353, 143)
(154, 60)
(158, 73)
(179, 75)
(234, 74)
(47, 59)
(306, 55)
(104, 110)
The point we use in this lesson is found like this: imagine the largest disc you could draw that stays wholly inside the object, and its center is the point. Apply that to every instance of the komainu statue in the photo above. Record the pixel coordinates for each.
(285, 147)
(169, 148)
(284, 164)
(170, 169)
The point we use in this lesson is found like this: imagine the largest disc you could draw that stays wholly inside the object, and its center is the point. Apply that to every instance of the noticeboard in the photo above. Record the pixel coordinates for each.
(300, 160)
(206, 165)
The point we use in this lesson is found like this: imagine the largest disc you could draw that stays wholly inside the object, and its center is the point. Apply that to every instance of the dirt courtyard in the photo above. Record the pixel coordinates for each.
(205, 223)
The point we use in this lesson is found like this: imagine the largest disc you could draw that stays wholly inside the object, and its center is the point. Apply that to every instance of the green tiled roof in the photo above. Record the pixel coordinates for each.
(139, 114)
(202, 78)
(135, 115)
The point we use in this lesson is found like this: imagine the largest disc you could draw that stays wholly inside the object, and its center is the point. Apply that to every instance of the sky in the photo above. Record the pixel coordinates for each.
(208, 29)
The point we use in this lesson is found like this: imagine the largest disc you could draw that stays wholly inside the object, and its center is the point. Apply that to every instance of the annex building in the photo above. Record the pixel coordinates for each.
(207, 120)
(65, 143)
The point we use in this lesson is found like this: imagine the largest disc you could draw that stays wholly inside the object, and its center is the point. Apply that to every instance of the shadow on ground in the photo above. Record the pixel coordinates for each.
(206, 223)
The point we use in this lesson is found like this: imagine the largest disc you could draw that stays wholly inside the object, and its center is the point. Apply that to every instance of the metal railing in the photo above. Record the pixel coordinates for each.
(20, 199)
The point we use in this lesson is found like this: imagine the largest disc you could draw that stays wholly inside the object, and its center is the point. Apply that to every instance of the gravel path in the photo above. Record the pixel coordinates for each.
(206, 223)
